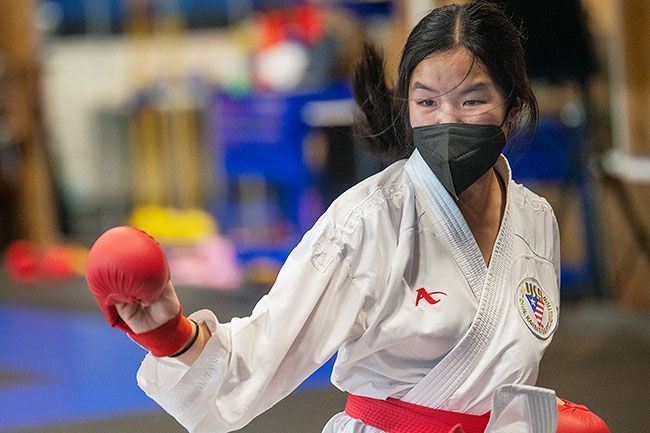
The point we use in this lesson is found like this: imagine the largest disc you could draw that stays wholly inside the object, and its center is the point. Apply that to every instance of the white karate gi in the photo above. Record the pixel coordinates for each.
(352, 284)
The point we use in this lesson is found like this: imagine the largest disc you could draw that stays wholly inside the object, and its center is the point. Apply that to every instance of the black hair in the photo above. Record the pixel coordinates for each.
(480, 26)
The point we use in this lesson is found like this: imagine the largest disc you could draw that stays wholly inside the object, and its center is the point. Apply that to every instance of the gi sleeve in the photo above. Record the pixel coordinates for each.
(251, 363)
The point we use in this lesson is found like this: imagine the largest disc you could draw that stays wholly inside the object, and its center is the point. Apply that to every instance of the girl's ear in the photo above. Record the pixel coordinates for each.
(514, 111)
(511, 116)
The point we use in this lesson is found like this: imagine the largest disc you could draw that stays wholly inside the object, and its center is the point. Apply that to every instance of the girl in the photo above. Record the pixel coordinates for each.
(436, 281)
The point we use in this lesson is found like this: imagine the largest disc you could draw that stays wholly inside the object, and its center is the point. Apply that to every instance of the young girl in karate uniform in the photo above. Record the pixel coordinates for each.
(436, 281)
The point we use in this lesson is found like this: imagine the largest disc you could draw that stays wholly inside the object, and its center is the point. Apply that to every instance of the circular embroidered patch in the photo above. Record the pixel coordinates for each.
(535, 308)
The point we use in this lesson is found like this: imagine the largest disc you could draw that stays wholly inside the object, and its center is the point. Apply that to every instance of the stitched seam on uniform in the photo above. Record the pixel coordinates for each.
(388, 193)
(356, 217)
(363, 315)
(320, 259)
(536, 417)
(380, 196)
(534, 253)
(370, 203)
(542, 418)
(336, 236)
(188, 397)
(537, 203)
(328, 245)
(409, 229)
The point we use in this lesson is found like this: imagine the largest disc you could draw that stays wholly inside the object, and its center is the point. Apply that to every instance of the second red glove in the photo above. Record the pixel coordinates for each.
(575, 418)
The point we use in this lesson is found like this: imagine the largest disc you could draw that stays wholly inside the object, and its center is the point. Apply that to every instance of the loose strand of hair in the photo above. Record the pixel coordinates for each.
(376, 123)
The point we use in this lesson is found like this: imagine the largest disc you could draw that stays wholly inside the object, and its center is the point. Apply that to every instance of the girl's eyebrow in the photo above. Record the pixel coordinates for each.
(476, 87)
(418, 85)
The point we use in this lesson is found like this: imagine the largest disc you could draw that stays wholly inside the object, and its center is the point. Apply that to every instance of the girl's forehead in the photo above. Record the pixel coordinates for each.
(454, 67)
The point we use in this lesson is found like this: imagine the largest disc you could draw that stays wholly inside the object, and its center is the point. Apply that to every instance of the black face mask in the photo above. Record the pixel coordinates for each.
(459, 153)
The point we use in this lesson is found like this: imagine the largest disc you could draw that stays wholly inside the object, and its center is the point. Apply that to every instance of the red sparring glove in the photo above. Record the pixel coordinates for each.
(575, 418)
(126, 265)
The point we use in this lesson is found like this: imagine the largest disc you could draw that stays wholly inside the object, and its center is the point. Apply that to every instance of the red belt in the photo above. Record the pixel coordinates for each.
(395, 416)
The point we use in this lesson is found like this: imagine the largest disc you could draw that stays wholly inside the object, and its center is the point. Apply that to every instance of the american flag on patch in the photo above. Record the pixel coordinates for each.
(538, 308)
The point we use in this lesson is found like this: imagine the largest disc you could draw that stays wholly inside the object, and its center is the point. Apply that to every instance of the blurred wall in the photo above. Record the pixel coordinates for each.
(626, 178)
(85, 75)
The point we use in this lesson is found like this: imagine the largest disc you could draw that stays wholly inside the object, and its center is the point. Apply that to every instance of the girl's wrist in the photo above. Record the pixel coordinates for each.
(195, 346)
(191, 341)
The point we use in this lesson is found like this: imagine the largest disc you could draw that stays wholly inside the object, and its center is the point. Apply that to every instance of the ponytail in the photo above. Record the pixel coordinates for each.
(380, 122)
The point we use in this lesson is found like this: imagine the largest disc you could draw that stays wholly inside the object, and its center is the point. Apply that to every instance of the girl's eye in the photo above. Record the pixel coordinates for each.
(473, 102)
(426, 102)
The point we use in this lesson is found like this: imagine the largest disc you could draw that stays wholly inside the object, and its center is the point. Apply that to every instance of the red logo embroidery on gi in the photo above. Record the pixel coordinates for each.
(423, 294)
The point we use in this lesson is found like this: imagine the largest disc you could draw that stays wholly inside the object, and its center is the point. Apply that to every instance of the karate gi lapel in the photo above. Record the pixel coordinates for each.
(449, 223)
(487, 284)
